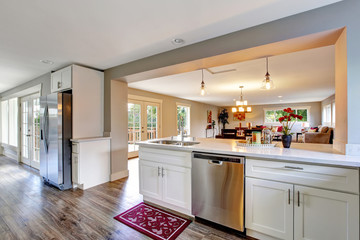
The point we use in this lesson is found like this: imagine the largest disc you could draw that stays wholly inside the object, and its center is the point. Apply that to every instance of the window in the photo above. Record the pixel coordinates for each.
(333, 114)
(5, 122)
(183, 118)
(273, 115)
(9, 121)
(328, 115)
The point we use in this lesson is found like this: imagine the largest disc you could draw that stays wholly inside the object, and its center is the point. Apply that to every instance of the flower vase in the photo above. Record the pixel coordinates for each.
(286, 140)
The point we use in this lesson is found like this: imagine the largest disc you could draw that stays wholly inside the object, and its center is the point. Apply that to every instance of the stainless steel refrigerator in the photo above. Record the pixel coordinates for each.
(55, 135)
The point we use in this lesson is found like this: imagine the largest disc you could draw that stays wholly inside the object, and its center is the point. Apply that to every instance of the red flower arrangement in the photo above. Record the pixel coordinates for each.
(287, 120)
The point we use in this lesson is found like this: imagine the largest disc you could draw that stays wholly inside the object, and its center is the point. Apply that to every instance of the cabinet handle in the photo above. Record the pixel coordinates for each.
(162, 172)
(295, 168)
(159, 172)
(289, 196)
(298, 198)
(59, 84)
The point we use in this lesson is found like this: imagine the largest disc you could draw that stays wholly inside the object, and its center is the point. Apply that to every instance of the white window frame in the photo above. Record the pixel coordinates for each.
(179, 104)
(5, 117)
(282, 108)
(142, 99)
(325, 120)
(12, 126)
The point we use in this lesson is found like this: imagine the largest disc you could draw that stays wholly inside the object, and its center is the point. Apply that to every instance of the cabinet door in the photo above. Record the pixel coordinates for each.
(177, 185)
(150, 179)
(321, 214)
(269, 208)
(55, 81)
(66, 78)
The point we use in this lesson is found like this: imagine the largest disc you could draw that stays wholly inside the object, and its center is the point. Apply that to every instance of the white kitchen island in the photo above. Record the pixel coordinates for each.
(305, 192)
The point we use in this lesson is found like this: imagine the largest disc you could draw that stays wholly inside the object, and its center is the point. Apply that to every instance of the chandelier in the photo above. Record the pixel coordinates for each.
(241, 105)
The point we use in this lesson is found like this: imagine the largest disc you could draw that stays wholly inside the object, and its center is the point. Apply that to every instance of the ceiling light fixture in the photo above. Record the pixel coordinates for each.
(177, 41)
(202, 88)
(47, 62)
(267, 84)
(242, 105)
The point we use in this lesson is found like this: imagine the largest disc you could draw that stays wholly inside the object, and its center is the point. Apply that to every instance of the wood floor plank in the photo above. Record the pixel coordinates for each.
(30, 209)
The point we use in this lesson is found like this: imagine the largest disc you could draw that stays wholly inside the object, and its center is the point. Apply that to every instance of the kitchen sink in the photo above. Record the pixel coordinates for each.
(173, 142)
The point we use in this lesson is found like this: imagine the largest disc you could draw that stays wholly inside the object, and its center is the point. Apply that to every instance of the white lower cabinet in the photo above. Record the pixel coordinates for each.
(165, 179)
(325, 215)
(150, 180)
(269, 208)
(177, 186)
(90, 162)
(287, 210)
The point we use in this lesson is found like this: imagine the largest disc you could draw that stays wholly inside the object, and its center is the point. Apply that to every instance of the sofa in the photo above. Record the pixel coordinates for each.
(323, 135)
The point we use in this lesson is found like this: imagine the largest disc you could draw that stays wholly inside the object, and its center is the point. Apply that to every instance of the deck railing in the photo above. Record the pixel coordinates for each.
(134, 134)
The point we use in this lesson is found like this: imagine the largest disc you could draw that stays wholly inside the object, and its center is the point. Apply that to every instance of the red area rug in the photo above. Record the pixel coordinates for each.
(153, 222)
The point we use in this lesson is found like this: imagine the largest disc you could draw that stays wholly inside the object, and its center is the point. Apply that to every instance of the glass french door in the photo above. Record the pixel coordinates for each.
(30, 131)
(143, 124)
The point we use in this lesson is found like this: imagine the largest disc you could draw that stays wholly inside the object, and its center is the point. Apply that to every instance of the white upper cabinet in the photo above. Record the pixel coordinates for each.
(61, 80)
(87, 87)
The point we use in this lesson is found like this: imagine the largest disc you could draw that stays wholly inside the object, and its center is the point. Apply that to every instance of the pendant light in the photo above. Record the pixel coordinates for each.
(202, 88)
(267, 84)
(241, 105)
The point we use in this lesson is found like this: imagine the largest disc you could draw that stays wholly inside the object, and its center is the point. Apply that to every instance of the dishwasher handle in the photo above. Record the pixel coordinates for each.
(215, 162)
(216, 158)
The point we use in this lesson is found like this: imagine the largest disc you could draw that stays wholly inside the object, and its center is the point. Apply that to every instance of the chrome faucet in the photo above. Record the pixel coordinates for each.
(182, 135)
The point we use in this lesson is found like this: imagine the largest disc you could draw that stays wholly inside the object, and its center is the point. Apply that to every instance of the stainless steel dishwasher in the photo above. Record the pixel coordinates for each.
(218, 189)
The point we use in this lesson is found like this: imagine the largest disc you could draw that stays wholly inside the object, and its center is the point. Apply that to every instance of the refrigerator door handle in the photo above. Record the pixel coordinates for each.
(46, 129)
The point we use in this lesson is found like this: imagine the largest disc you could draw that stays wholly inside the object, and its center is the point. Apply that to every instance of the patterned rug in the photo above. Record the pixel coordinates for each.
(153, 222)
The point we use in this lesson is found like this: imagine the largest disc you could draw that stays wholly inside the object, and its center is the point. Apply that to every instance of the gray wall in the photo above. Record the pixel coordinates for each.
(338, 15)
(43, 79)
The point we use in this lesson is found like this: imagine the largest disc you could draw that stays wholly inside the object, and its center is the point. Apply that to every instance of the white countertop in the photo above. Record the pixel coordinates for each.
(298, 152)
(77, 140)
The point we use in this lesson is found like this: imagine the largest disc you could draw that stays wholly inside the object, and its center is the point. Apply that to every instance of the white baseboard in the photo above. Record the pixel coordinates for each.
(119, 175)
(353, 149)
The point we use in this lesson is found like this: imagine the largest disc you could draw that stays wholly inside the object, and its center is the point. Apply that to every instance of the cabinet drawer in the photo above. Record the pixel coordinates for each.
(334, 178)
(75, 169)
(178, 158)
(75, 148)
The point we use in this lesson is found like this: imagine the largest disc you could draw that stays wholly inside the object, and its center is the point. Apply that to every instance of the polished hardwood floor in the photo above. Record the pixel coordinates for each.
(30, 209)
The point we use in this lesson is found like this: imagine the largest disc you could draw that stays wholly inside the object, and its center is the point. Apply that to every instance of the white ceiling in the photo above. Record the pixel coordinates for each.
(103, 34)
(304, 76)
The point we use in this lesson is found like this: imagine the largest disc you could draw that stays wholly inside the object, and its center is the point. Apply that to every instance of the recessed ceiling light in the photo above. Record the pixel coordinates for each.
(279, 96)
(177, 41)
(47, 62)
